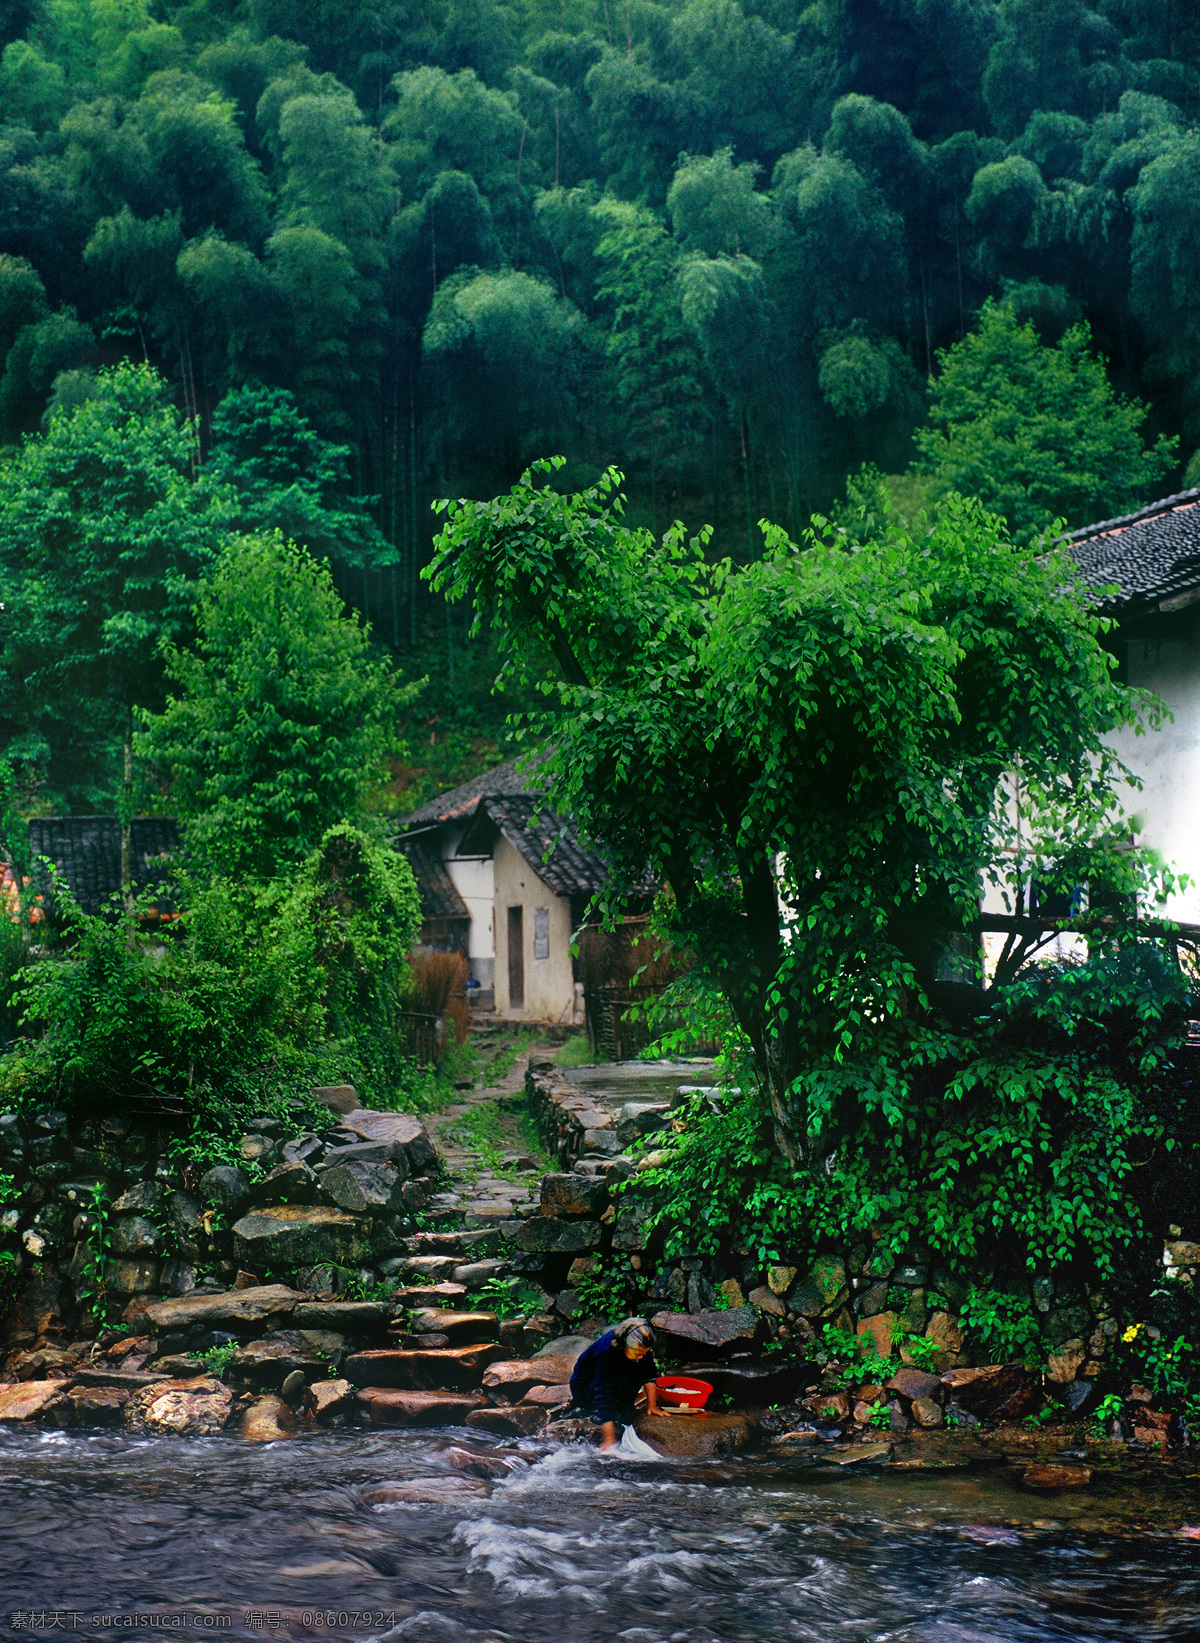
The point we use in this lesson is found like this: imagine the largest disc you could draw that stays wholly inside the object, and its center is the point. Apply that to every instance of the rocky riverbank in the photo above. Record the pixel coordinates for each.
(337, 1279)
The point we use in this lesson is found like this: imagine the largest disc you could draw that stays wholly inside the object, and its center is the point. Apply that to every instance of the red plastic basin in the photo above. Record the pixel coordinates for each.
(682, 1392)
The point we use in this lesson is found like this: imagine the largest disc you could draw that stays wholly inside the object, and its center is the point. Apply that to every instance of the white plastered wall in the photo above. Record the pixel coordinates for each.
(549, 981)
(472, 877)
(1168, 762)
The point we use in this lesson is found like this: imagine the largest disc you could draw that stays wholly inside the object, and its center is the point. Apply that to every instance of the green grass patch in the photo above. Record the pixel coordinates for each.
(576, 1052)
(492, 1129)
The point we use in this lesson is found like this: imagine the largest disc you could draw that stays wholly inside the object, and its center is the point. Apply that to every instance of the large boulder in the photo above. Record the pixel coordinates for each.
(546, 1234)
(233, 1306)
(141, 1198)
(630, 1231)
(269, 1361)
(991, 1390)
(390, 1406)
(199, 1406)
(98, 1405)
(364, 1189)
(458, 1367)
(574, 1195)
(706, 1334)
(327, 1398)
(135, 1275)
(291, 1182)
(134, 1235)
(365, 1152)
(283, 1235)
(39, 1306)
(696, 1438)
(514, 1420)
(822, 1290)
(337, 1097)
(915, 1383)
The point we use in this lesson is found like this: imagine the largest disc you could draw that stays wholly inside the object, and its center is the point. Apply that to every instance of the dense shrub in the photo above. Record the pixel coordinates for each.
(259, 992)
(1015, 1143)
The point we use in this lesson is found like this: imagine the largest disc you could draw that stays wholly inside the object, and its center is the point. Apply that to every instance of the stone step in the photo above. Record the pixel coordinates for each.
(473, 1275)
(456, 1367)
(483, 1241)
(511, 1378)
(463, 1328)
(497, 1213)
(345, 1317)
(393, 1406)
(429, 1295)
(514, 1420)
(130, 1379)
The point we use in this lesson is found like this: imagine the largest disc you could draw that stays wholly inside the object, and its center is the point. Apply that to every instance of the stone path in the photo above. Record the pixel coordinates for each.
(493, 1165)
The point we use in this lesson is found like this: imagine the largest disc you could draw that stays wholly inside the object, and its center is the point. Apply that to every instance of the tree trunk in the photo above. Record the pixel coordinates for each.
(127, 813)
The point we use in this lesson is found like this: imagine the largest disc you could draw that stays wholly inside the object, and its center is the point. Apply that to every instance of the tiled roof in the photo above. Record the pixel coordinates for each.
(87, 851)
(439, 898)
(457, 801)
(571, 870)
(1148, 556)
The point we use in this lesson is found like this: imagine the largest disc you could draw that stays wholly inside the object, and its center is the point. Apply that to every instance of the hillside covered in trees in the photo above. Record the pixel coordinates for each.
(384, 252)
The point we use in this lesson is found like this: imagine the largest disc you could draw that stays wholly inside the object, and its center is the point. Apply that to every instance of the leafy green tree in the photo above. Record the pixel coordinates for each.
(1165, 285)
(39, 353)
(318, 281)
(1001, 208)
(280, 718)
(1035, 432)
(104, 535)
(741, 84)
(844, 248)
(453, 122)
(264, 990)
(823, 732)
(282, 476)
(337, 178)
(714, 207)
(659, 370)
(506, 355)
(879, 143)
(33, 89)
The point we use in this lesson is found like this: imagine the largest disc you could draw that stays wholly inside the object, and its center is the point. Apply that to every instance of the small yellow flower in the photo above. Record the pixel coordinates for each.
(1131, 1333)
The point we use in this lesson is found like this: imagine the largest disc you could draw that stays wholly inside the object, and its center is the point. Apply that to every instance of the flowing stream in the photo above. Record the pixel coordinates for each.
(315, 1538)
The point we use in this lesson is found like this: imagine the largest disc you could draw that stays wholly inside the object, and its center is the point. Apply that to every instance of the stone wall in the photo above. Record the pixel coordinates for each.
(105, 1206)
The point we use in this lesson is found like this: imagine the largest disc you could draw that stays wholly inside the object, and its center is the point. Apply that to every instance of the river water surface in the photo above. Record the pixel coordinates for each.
(112, 1535)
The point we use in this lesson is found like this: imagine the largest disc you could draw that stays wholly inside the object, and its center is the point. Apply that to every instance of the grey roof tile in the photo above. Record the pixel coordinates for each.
(457, 801)
(1146, 556)
(439, 898)
(551, 846)
(87, 852)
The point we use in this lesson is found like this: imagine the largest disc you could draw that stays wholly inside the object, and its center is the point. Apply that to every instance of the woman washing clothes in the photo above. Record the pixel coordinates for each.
(609, 1375)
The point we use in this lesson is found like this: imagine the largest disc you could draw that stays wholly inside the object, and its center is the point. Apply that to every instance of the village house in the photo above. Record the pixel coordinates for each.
(506, 881)
(86, 852)
(1145, 568)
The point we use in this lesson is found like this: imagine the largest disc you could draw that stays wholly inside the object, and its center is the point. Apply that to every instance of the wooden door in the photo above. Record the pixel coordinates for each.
(516, 959)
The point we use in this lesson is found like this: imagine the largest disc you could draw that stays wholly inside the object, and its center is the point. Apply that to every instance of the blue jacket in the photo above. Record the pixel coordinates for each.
(606, 1382)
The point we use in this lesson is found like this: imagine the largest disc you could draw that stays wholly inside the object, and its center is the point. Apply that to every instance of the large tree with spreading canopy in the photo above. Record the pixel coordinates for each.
(810, 752)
